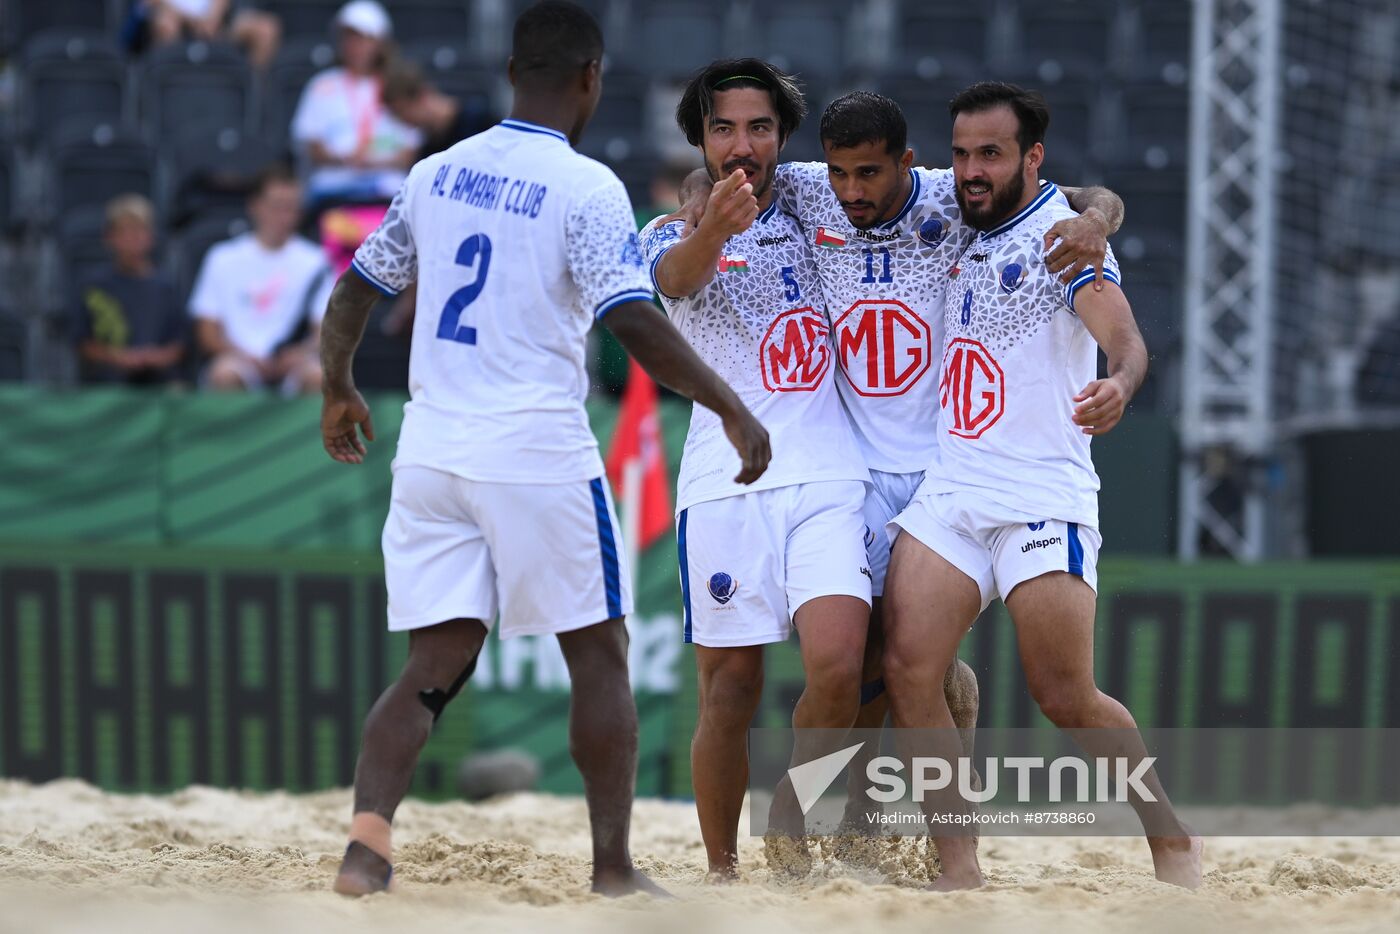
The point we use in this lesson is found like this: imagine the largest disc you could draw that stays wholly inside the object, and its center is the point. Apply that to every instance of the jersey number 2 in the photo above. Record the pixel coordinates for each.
(475, 250)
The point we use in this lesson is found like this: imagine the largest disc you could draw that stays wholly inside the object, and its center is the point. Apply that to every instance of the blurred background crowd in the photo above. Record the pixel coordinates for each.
(168, 168)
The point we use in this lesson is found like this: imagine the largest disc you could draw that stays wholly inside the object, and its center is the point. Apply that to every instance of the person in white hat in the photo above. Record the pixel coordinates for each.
(354, 146)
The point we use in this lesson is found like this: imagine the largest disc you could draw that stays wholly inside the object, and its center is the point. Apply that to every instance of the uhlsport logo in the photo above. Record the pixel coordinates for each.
(869, 537)
(1035, 543)
(1035, 526)
(1012, 275)
(722, 587)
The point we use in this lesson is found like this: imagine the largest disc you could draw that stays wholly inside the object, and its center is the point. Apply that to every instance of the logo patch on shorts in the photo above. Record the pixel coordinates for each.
(1035, 526)
(722, 587)
(869, 537)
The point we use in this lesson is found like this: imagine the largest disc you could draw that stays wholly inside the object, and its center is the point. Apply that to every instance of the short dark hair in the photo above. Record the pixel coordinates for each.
(865, 117)
(1032, 113)
(403, 81)
(554, 39)
(730, 74)
(277, 173)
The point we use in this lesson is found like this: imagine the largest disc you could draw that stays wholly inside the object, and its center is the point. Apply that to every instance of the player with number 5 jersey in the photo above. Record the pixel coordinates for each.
(500, 514)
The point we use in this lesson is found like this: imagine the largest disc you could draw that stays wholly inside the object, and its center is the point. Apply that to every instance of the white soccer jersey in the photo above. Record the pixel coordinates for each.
(762, 325)
(1015, 356)
(261, 296)
(884, 287)
(518, 244)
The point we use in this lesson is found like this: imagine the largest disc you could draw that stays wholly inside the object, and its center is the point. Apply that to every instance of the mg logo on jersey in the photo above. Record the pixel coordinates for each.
(883, 347)
(973, 388)
(796, 351)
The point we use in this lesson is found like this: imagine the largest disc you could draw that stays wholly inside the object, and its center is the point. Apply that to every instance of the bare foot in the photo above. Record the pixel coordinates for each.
(363, 872)
(1178, 859)
(723, 874)
(617, 883)
(789, 858)
(859, 842)
(958, 882)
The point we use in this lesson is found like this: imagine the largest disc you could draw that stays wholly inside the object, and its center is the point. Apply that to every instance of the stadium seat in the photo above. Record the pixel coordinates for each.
(618, 130)
(937, 38)
(10, 215)
(1153, 120)
(90, 163)
(81, 252)
(807, 37)
(195, 82)
(71, 74)
(305, 19)
(29, 18)
(213, 167)
(1159, 42)
(440, 20)
(296, 63)
(188, 249)
(14, 342)
(449, 66)
(1154, 228)
(1074, 113)
(1072, 38)
(679, 36)
(925, 106)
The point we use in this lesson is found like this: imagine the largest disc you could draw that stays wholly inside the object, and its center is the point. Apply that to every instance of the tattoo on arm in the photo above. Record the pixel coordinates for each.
(1097, 199)
(346, 313)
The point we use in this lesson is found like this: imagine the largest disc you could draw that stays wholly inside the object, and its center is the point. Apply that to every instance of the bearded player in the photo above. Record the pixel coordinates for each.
(885, 232)
(1010, 509)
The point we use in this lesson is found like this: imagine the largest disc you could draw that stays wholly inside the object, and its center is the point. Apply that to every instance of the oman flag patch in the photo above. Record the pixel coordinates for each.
(829, 238)
(733, 264)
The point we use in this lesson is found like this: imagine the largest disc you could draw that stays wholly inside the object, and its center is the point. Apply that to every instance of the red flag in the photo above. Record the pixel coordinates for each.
(637, 437)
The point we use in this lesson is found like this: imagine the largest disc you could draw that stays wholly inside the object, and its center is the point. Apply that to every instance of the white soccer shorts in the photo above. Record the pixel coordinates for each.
(888, 495)
(999, 547)
(545, 558)
(749, 562)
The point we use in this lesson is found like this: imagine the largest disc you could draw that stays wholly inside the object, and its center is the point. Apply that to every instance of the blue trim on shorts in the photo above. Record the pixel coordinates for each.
(612, 574)
(685, 572)
(1076, 551)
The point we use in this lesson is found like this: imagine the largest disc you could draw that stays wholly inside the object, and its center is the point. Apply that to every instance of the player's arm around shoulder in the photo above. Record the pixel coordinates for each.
(688, 264)
(1107, 315)
(1078, 243)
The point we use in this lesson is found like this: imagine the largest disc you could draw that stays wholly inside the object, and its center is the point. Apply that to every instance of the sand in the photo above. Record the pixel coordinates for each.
(73, 858)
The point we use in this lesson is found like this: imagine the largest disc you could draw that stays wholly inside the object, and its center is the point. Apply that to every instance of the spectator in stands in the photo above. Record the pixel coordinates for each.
(356, 149)
(160, 22)
(259, 297)
(129, 327)
(442, 119)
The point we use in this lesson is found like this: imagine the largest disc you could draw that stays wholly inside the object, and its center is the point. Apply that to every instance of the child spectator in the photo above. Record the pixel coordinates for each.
(129, 328)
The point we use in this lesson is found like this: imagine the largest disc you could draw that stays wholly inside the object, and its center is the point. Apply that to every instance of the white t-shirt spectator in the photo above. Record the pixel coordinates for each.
(343, 112)
(261, 296)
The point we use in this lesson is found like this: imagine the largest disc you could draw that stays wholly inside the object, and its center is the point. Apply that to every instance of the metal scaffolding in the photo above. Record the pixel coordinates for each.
(1226, 421)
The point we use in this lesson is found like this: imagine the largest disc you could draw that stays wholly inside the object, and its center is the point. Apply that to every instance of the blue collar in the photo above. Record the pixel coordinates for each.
(767, 213)
(908, 205)
(1047, 191)
(525, 127)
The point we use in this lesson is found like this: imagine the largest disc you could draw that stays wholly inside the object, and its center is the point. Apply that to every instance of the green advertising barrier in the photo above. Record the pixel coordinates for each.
(149, 668)
(1209, 645)
(141, 668)
(190, 590)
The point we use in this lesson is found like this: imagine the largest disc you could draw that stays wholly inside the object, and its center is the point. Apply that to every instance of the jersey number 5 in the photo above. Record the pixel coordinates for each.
(475, 250)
